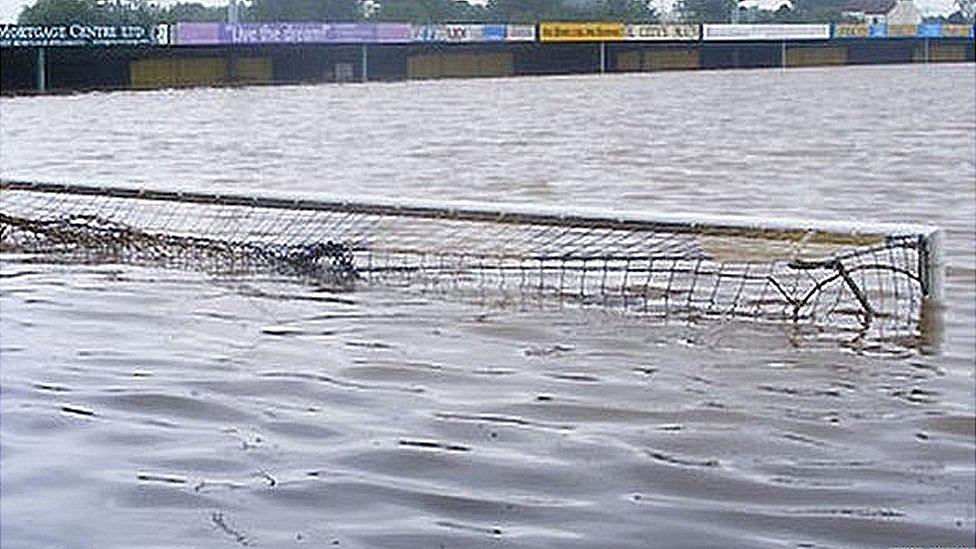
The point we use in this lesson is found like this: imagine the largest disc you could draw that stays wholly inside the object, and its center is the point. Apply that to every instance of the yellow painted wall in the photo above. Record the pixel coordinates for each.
(197, 71)
(501, 64)
(659, 60)
(940, 53)
(421, 66)
(666, 60)
(155, 73)
(812, 56)
(255, 70)
(629, 61)
(460, 65)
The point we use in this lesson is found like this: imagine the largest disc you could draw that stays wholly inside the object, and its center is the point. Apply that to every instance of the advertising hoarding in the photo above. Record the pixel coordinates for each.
(520, 33)
(956, 31)
(581, 32)
(290, 33)
(661, 32)
(76, 34)
(391, 33)
(929, 30)
(192, 34)
(458, 33)
(847, 30)
(902, 31)
(765, 32)
(495, 33)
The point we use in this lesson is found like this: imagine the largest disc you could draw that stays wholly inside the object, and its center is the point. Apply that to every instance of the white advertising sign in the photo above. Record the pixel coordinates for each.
(520, 33)
(766, 32)
(661, 32)
(459, 33)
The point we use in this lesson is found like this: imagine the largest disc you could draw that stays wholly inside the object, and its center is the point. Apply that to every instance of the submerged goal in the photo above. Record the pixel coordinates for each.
(876, 278)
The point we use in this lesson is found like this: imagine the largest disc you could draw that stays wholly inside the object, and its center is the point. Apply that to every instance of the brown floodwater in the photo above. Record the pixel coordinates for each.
(144, 407)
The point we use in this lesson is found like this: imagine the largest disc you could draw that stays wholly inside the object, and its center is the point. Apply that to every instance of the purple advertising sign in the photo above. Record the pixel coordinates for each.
(393, 32)
(192, 34)
(291, 33)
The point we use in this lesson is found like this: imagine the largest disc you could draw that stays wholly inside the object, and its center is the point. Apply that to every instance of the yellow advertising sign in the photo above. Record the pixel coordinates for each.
(581, 32)
(842, 30)
(902, 30)
(956, 30)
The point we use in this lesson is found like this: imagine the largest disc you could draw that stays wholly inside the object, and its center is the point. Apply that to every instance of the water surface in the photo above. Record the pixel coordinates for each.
(151, 408)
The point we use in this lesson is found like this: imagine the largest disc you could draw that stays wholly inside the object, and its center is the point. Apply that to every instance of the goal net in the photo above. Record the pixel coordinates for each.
(877, 279)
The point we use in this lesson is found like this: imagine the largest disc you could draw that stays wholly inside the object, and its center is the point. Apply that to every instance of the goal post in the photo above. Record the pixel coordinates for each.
(848, 275)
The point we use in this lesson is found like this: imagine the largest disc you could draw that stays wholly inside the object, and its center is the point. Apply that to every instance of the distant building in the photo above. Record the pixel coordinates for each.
(752, 11)
(891, 12)
(765, 5)
(370, 7)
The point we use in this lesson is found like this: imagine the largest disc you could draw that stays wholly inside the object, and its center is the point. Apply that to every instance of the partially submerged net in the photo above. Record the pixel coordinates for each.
(866, 278)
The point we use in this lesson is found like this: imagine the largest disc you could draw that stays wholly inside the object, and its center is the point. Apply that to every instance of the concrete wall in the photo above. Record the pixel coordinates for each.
(158, 73)
(460, 65)
(558, 59)
(812, 56)
(941, 53)
(880, 52)
(147, 67)
(659, 60)
(17, 69)
(80, 68)
(199, 71)
(741, 56)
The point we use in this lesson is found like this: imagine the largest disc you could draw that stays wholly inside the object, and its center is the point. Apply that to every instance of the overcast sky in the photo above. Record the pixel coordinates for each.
(9, 9)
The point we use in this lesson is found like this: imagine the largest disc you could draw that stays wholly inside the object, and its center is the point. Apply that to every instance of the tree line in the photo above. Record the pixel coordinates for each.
(145, 12)
(407, 11)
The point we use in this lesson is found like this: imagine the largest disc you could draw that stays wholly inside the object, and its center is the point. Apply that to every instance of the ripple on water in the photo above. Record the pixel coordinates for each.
(174, 409)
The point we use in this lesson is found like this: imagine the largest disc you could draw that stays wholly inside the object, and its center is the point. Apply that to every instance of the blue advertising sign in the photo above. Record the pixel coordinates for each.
(929, 30)
(494, 33)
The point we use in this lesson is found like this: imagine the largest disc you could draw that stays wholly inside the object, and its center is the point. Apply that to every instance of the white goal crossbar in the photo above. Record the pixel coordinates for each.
(879, 277)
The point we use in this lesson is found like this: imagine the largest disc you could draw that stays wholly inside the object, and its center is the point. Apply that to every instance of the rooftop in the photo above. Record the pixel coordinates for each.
(871, 6)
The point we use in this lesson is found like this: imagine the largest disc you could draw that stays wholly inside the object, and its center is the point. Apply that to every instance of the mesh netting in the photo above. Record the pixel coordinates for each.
(848, 280)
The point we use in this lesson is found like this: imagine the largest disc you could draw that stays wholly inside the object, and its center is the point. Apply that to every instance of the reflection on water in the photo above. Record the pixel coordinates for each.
(144, 407)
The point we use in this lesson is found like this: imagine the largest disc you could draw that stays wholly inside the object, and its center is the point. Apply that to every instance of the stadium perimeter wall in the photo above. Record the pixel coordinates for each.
(147, 67)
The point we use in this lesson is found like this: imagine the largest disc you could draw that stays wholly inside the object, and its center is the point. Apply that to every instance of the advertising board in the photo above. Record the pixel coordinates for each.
(458, 33)
(765, 32)
(520, 33)
(290, 33)
(847, 30)
(929, 30)
(494, 33)
(76, 34)
(581, 32)
(902, 31)
(956, 31)
(878, 30)
(193, 34)
(661, 32)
